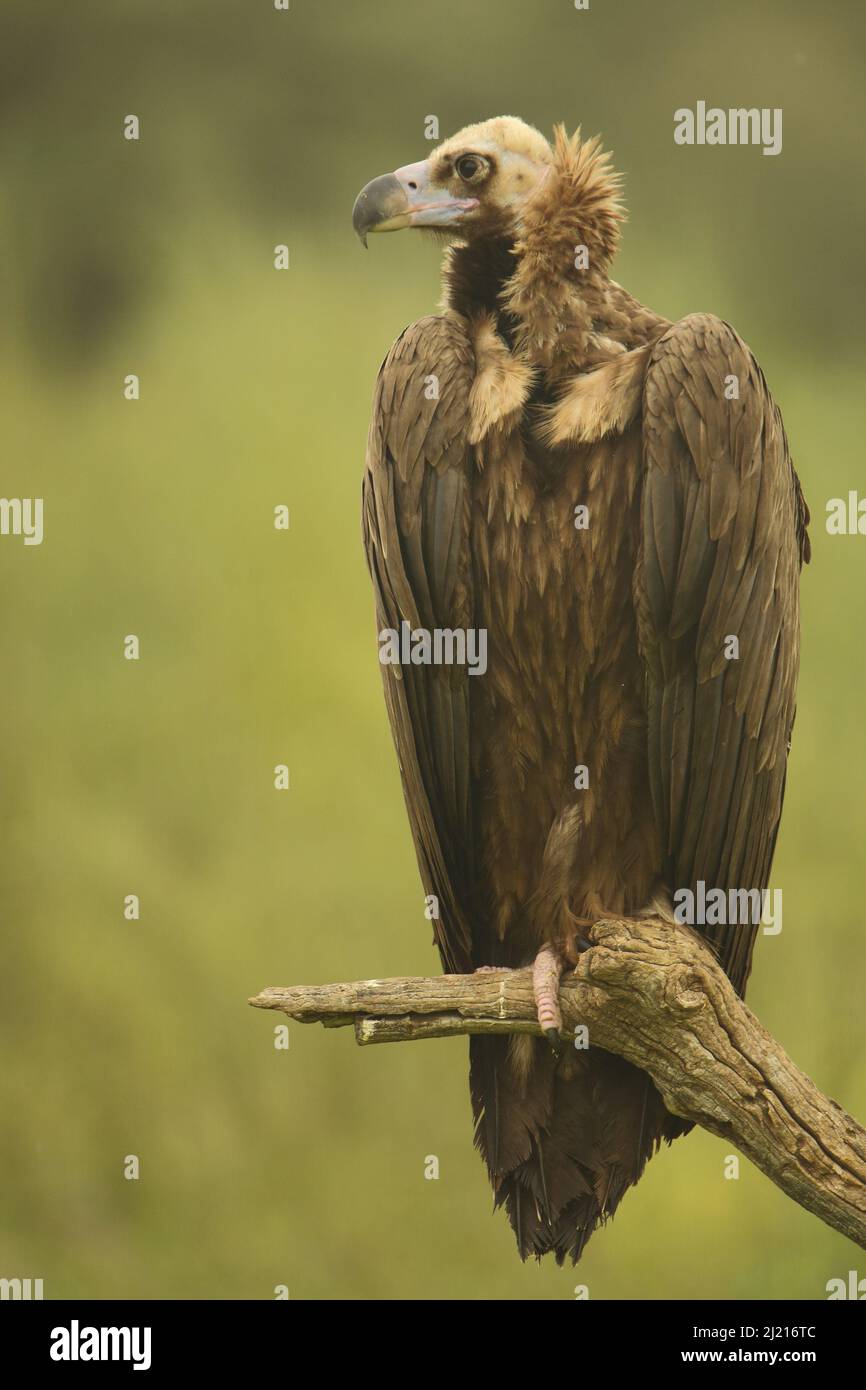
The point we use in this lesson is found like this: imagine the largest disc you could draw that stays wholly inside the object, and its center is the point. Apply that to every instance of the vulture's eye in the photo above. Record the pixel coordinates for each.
(470, 168)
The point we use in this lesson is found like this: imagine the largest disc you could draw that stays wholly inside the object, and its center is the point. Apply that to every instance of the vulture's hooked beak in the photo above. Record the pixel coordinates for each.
(406, 198)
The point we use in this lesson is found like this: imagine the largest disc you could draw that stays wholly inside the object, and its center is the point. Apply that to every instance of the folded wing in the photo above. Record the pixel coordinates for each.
(723, 540)
(416, 519)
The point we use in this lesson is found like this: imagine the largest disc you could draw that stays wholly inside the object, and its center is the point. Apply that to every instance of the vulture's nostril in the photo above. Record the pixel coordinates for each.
(412, 185)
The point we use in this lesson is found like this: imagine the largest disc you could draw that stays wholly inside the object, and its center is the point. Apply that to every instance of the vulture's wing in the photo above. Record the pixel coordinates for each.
(723, 539)
(416, 517)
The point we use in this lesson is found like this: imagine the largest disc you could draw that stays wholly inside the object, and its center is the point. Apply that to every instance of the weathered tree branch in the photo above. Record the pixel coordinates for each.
(654, 994)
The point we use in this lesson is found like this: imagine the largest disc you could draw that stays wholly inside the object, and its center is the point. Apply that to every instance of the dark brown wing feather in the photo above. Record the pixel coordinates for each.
(724, 536)
(416, 536)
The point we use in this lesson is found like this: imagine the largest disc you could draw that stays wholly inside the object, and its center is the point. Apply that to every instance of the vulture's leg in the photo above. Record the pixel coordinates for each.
(546, 973)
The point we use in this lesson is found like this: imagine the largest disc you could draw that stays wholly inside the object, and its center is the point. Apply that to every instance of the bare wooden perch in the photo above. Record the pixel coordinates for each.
(654, 994)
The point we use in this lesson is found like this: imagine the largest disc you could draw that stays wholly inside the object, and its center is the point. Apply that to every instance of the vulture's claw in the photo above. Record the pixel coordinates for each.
(546, 973)
(554, 1038)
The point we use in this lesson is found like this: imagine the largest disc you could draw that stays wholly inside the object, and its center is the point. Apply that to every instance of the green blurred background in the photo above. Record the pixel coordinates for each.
(306, 1168)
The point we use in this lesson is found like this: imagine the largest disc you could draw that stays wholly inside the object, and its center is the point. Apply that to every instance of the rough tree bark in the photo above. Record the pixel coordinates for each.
(654, 994)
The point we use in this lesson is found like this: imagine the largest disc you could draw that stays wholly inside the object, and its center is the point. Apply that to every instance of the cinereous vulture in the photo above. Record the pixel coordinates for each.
(601, 502)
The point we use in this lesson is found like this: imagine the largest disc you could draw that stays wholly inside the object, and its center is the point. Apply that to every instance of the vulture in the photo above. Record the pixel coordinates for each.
(602, 503)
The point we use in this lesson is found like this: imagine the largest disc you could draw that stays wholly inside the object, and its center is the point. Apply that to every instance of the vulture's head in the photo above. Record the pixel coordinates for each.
(475, 185)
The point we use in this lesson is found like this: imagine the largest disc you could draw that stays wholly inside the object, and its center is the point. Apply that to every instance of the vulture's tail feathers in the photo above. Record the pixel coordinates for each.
(563, 1139)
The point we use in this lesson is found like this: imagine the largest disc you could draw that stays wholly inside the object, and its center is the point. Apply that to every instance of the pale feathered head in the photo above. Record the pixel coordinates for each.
(491, 180)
